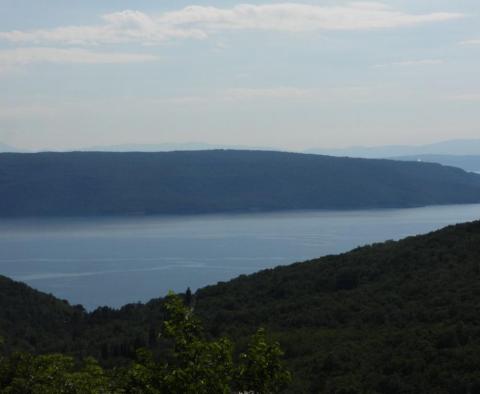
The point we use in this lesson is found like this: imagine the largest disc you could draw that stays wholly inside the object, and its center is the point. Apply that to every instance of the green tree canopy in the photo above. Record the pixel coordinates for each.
(192, 364)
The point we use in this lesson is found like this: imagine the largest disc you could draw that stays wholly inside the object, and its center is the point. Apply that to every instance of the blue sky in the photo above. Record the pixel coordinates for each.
(291, 75)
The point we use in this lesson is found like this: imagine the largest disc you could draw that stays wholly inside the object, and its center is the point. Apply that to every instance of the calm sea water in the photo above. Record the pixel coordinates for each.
(113, 261)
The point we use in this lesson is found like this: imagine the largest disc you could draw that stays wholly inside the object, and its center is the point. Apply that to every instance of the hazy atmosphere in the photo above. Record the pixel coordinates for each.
(222, 197)
(292, 75)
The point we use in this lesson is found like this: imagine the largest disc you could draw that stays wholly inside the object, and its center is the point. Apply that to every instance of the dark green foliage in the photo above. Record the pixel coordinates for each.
(198, 366)
(192, 365)
(96, 183)
(30, 319)
(396, 317)
(23, 373)
(261, 369)
(188, 297)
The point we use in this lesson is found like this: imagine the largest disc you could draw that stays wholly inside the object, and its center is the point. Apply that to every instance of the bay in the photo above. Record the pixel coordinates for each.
(113, 261)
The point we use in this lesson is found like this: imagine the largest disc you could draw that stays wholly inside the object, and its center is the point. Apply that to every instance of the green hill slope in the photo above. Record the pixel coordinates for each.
(31, 320)
(99, 183)
(396, 317)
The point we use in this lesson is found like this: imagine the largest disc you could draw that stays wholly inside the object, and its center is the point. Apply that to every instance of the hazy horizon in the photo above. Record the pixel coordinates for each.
(287, 76)
(454, 147)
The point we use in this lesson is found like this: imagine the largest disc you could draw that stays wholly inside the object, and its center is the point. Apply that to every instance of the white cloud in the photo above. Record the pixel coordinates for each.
(12, 58)
(11, 111)
(199, 22)
(270, 93)
(351, 93)
(465, 97)
(301, 17)
(410, 63)
(183, 100)
(119, 27)
(227, 95)
(471, 42)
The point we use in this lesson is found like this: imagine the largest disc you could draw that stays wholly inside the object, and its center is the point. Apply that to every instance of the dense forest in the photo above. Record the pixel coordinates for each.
(190, 363)
(395, 317)
(102, 183)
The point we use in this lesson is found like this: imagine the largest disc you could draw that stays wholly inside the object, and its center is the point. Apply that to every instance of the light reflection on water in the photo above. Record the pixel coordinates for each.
(112, 261)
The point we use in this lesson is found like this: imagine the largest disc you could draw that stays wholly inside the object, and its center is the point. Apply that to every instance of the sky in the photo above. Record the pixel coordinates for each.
(286, 75)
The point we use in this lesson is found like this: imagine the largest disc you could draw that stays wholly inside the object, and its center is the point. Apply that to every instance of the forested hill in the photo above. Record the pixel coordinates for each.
(395, 317)
(32, 320)
(100, 183)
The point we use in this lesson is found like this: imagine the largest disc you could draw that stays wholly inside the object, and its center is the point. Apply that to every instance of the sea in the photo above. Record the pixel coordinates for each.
(112, 261)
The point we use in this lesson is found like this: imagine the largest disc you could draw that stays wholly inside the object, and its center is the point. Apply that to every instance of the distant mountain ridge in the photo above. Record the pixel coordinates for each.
(166, 147)
(8, 148)
(467, 163)
(101, 183)
(462, 147)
